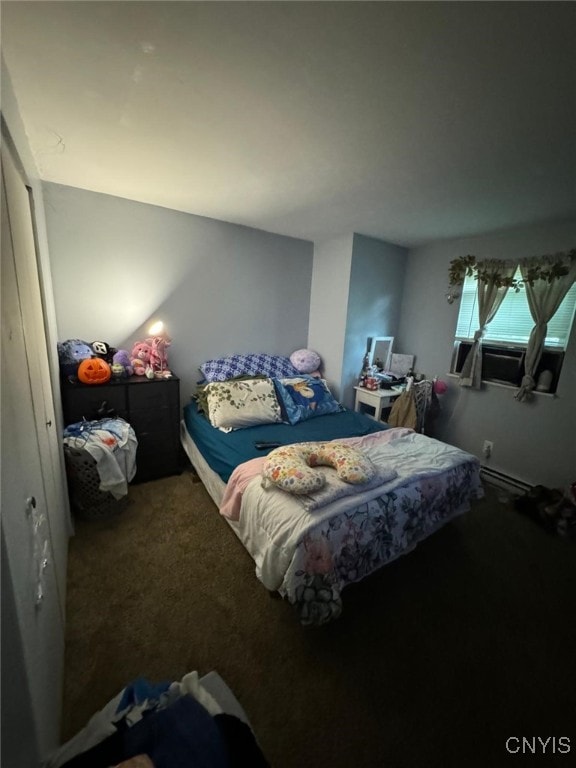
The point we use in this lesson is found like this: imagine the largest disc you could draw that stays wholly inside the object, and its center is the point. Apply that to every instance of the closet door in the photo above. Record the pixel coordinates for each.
(49, 443)
(33, 634)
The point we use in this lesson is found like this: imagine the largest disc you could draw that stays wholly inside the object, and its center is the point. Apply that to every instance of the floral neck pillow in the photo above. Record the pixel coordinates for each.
(291, 467)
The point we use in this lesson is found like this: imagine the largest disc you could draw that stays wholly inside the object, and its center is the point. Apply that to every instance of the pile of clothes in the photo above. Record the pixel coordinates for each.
(552, 508)
(165, 725)
(112, 444)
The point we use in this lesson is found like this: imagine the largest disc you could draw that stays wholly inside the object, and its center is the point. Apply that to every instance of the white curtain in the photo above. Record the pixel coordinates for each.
(545, 293)
(494, 278)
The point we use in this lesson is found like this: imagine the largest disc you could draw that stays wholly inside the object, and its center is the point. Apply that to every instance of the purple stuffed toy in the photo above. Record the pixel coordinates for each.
(122, 364)
(306, 361)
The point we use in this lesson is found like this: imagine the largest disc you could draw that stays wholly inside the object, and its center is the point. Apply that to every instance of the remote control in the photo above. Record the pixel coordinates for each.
(262, 445)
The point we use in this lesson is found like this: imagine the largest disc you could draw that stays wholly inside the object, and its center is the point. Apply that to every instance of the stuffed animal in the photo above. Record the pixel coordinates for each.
(103, 350)
(71, 353)
(122, 364)
(158, 355)
(140, 358)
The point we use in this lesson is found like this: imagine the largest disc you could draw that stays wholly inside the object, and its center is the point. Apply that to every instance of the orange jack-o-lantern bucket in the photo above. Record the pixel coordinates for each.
(94, 371)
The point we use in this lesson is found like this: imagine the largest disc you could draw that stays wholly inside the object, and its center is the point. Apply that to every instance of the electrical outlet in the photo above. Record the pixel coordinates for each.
(487, 448)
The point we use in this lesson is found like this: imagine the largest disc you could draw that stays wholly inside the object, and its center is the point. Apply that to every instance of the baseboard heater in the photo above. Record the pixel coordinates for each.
(502, 480)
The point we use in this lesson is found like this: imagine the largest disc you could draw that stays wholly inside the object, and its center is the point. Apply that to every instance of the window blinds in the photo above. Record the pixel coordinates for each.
(513, 322)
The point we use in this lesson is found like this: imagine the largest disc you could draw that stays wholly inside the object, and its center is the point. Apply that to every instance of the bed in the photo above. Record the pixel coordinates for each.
(309, 547)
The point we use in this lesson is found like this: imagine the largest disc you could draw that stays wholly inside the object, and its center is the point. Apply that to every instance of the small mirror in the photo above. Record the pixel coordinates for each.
(381, 352)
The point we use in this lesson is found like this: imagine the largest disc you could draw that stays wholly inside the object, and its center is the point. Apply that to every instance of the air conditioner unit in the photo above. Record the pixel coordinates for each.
(500, 364)
(505, 364)
(503, 367)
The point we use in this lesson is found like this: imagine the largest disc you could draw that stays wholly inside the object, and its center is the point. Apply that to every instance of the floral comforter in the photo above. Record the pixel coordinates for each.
(309, 556)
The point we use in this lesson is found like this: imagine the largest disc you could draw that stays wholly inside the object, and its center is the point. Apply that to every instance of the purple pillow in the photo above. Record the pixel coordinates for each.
(305, 360)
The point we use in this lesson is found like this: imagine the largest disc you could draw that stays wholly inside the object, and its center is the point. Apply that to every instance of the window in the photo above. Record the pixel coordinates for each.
(513, 322)
(506, 337)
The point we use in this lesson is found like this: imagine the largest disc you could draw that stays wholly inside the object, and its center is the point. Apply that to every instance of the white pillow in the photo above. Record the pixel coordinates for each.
(244, 403)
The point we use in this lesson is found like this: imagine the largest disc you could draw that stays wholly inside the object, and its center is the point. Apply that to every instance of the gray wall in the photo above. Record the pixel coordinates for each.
(222, 288)
(374, 302)
(534, 442)
(328, 303)
(356, 292)
(117, 265)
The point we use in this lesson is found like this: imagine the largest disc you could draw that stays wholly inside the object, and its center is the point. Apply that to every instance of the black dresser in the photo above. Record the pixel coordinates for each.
(151, 406)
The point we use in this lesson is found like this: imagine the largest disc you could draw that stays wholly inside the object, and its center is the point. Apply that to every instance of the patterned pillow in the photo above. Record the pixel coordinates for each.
(224, 368)
(305, 397)
(291, 467)
(244, 403)
(201, 395)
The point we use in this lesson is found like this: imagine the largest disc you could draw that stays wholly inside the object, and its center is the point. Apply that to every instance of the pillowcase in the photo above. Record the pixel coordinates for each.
(201, 396)
(305, 397)
(237, 404)
(223, 368)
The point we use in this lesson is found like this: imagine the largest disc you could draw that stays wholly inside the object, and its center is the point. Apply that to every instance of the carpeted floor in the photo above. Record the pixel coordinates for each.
(435, 662)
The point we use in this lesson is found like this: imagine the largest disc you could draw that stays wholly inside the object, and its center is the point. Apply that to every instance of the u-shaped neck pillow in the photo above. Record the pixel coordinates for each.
(291, 467)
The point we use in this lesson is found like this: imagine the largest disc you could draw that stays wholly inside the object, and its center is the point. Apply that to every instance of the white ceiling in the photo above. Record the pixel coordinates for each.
(404, 121)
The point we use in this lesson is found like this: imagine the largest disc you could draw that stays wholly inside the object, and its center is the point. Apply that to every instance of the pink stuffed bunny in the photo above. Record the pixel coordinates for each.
(159, 355)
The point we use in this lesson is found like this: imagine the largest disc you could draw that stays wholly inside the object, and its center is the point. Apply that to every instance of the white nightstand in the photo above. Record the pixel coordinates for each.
(379, 399)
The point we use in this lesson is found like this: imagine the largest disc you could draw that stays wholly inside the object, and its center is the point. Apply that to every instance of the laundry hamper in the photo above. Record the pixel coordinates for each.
(100, 462)
(86, 498)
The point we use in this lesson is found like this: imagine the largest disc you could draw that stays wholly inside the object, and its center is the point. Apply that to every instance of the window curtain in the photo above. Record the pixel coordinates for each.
(547, 280)
(494, 278)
